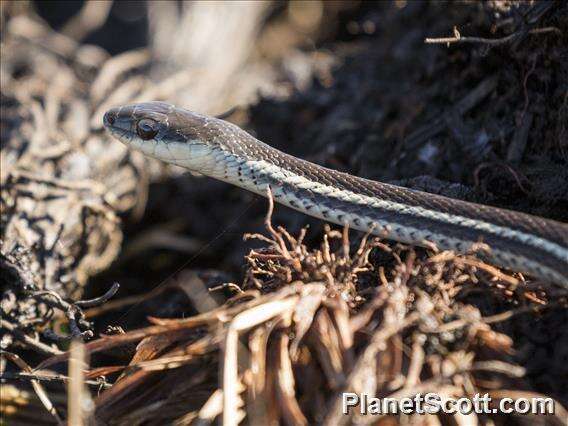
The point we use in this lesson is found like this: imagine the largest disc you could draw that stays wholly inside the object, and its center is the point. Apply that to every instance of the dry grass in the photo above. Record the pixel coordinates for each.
(312, 323)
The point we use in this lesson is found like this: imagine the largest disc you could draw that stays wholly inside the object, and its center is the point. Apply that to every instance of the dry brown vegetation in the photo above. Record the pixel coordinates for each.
(310, 324)
(201, 333)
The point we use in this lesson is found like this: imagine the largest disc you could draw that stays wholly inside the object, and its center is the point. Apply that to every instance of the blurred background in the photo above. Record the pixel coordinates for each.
(351, 85)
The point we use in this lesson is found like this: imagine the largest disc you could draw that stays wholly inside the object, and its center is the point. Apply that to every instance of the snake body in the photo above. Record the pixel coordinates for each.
(223, 151)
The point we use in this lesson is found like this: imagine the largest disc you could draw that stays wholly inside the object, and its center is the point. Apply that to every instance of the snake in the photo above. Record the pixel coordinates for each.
(221, 150)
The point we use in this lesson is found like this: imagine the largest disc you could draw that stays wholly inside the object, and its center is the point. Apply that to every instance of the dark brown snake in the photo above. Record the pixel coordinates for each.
(221, 150)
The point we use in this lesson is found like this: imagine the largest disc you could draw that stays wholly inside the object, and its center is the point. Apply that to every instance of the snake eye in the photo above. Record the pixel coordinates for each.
(147, 129)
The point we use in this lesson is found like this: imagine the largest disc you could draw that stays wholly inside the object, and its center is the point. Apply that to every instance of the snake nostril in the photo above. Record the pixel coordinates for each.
(109, 118)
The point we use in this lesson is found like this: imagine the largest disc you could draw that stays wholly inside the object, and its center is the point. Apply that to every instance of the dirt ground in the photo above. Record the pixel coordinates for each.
(467, 100)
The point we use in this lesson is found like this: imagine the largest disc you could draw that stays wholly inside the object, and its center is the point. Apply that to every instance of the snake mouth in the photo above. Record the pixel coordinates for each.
(122, 135)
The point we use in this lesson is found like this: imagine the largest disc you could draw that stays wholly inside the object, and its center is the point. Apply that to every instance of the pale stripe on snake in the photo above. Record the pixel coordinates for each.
(223, 151)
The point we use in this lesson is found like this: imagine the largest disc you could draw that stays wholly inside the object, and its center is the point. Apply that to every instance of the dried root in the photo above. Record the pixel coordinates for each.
(326, 320)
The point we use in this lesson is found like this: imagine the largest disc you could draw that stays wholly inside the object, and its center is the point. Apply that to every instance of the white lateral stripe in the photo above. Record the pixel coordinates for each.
(278, 173)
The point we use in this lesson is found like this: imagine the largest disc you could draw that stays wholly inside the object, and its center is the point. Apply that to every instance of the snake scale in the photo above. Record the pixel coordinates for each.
(223, 151)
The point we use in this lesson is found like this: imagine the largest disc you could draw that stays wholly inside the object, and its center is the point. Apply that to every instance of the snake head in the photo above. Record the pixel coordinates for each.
(165, 132)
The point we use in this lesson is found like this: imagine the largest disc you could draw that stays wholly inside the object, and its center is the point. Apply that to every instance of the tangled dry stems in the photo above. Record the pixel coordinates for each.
(286, 259)
(310, 324)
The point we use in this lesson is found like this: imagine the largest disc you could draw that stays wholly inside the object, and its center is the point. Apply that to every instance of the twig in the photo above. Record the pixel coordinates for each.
(129, 300)
(501, 367)
(48, 377)
(231, 286)
(38, 388)
(77, 394)
(33, 344)
(99, 300)
(279, 241)
(232, 414)
(469, 101)
(458, 38)
(74, 315)
(76, 332)
(376, 345)
(73, 312)
(268, 224)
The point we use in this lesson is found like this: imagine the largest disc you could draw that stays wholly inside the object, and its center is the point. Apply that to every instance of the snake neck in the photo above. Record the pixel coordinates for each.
(224, 151)
(397, 213)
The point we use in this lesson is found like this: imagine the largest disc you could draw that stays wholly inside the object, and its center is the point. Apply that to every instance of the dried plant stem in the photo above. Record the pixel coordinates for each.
(458, 38)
